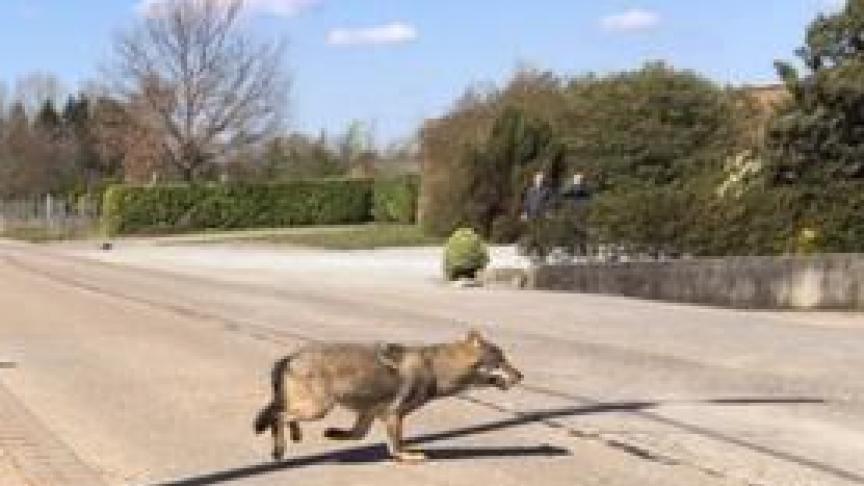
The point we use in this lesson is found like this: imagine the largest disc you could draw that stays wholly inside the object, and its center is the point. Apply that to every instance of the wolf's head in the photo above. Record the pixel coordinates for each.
(491, 365)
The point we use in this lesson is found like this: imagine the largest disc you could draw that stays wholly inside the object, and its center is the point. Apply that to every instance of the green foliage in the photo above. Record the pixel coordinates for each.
(837, 217)
(178, 208)
(636, 135)
(654, 126)
(695, 219)
(464, 255)
(654, 218)
(395, 199)
(458, 143)
(518, 147)
(818, 137)
(565, 229)
(489, 183)
(815, 143)
(298, 156)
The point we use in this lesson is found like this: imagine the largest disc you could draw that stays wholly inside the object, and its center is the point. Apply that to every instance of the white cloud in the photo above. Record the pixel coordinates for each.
(393, 33)
(635, 19)
(282, 8)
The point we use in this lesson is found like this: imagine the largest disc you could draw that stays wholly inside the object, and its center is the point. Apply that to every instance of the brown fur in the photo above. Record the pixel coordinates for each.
(384, 382)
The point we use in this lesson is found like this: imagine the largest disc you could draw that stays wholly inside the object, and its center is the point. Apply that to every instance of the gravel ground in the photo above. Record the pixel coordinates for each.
(395, 266)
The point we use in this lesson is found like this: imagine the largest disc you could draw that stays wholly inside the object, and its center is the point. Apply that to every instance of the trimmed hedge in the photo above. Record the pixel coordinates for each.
(395, 199)
(177, 208)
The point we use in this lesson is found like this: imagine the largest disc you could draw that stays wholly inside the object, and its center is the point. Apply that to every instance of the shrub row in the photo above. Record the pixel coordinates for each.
(131, 209)
(395, 199)
(177, 208)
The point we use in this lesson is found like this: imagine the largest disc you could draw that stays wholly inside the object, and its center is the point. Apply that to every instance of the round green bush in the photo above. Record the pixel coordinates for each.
(464, 255)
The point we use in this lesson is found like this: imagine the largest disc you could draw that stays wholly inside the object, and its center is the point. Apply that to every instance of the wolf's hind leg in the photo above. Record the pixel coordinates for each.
(301, 412)
(359, 431)
(277, 430)
(394, 434)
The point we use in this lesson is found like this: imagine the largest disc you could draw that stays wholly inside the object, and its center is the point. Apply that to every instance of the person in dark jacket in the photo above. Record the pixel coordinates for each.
(576, 194)
(574, 201)
(538, 199)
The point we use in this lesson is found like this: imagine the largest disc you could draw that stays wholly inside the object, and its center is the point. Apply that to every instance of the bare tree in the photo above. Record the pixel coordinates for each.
(191, 74)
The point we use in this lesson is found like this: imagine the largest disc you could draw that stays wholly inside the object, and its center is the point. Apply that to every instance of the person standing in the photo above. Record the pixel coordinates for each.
(536, 204)
(537, 199)
(576, 194)
(575, 198)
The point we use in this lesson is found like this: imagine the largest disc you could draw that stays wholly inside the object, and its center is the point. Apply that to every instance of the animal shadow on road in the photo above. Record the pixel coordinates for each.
(378, 453)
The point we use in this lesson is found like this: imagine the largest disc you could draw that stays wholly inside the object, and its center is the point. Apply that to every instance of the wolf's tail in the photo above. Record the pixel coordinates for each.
(267, 416)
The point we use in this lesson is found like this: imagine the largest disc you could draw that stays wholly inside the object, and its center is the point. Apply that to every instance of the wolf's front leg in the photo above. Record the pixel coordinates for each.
(394, 434)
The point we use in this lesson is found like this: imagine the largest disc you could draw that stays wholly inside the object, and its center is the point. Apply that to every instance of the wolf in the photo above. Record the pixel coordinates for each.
(384, 381)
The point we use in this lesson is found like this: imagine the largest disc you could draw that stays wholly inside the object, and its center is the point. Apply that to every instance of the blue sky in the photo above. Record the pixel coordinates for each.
(392, 63)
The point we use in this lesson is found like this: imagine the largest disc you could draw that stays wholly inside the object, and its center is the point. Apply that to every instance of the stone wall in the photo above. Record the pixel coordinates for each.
(818, 282)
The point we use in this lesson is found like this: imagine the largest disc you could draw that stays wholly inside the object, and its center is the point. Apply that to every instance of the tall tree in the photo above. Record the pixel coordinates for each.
(47, 121)
(18, 131)
(819, 135)
(496, 175)
(297, 156)
(652, 126)
(191, 74)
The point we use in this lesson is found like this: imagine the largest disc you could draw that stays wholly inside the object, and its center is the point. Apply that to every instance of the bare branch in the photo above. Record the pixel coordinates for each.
(207, 86)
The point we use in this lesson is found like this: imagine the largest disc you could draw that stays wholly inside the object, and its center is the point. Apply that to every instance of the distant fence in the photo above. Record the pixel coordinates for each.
(48, 213)
(812, 282)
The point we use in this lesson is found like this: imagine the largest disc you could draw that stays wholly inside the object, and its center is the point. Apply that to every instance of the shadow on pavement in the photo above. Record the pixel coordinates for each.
(378, 453)
(365, 455)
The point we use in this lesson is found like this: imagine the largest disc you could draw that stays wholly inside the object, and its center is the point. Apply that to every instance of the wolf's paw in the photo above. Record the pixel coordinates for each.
(278, 454)
(410, 457)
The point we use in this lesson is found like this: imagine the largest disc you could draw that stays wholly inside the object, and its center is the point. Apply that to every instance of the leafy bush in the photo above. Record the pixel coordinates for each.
(694, 219)
(177, 208)
(464, 255)
(656, 126)
(395, 199)
(565, 229)
(837, 218)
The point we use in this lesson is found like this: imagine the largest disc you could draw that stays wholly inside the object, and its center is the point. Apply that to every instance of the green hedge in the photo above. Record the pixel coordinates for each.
(178, 208)
(395, 199)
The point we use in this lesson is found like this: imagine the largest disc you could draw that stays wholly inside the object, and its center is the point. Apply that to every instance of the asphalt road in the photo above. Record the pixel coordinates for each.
(147, 369)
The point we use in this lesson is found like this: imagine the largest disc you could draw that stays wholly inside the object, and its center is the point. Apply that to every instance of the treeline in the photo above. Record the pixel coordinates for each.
(676, 162)
(189, 93)
(89, 142)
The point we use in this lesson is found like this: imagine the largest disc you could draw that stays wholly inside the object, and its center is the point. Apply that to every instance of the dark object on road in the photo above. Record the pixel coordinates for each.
(385, 381)
(107, 246)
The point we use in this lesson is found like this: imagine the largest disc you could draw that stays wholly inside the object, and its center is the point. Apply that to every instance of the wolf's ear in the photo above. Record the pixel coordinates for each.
(474, 338)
